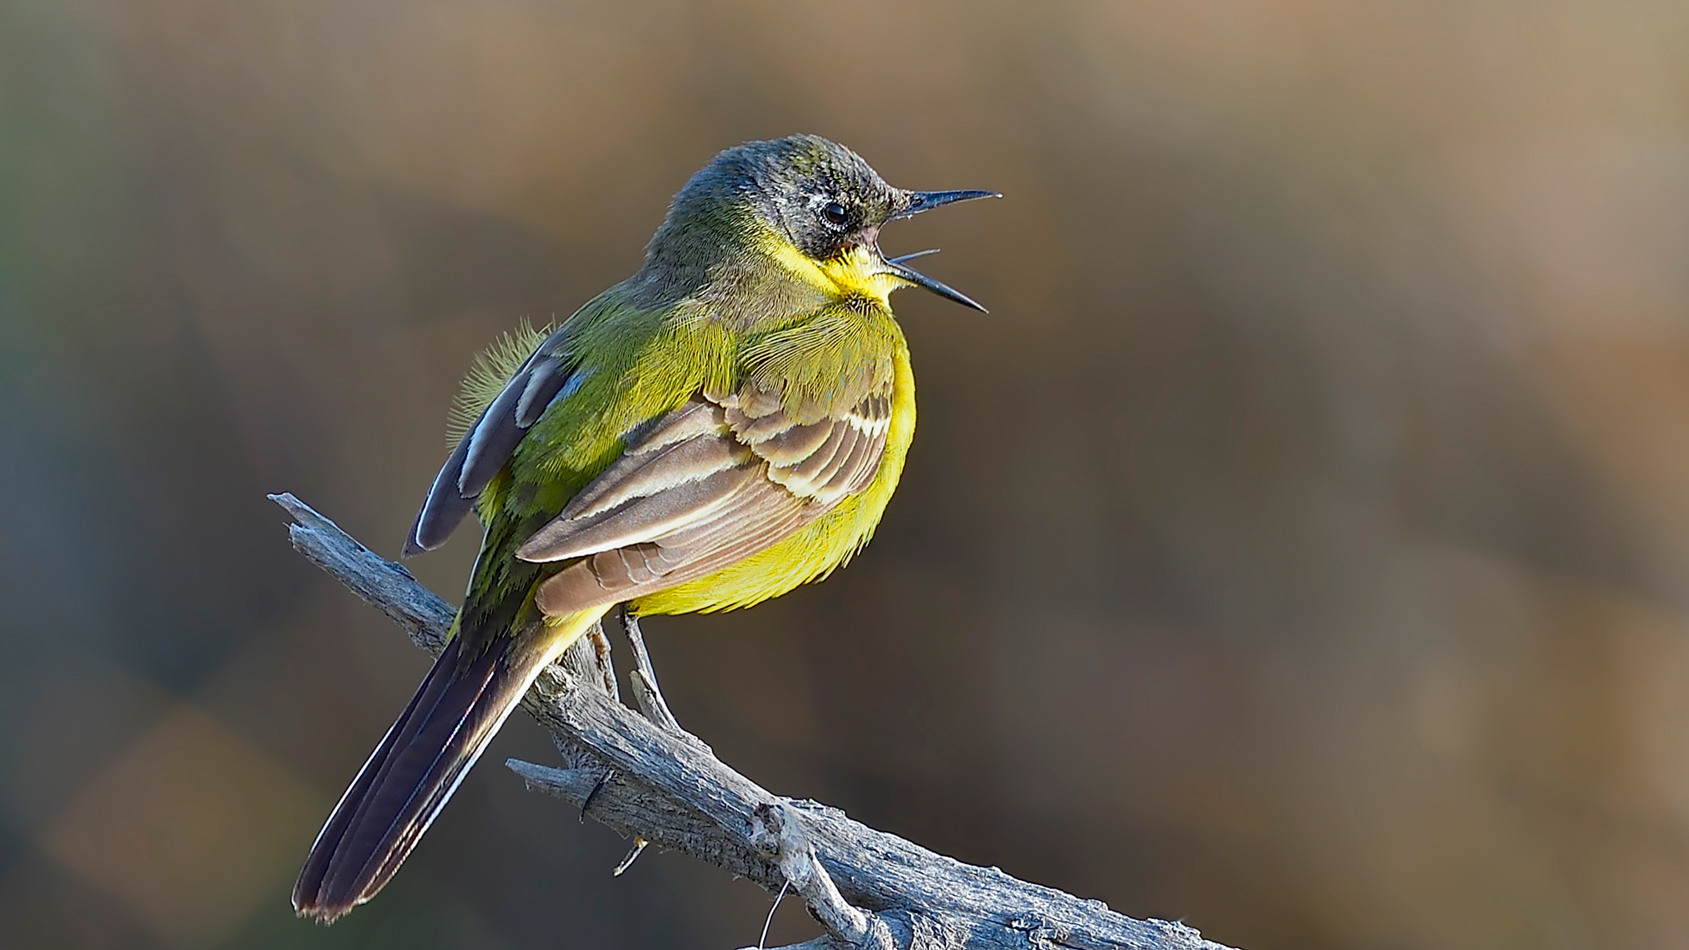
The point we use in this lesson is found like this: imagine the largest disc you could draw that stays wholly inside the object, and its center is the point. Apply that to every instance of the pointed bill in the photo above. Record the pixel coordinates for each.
(913, 276)
(920, 201)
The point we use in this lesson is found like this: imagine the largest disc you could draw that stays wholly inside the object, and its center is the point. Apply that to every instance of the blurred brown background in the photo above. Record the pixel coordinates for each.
(1299, 549)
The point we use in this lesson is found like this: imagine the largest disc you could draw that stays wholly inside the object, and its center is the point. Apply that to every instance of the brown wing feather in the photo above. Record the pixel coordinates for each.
(713, 482)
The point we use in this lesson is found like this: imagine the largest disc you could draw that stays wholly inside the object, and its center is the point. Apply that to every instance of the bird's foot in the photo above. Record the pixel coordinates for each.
(642, 679)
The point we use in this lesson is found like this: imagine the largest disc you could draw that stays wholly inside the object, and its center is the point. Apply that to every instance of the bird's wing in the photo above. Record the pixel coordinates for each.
(487, 445)
(709, 484)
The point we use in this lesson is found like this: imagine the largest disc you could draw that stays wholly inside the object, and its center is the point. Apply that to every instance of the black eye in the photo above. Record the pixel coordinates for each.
(835, 214)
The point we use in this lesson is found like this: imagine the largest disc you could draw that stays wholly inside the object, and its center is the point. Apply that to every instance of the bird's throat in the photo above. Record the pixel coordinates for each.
(858, 272)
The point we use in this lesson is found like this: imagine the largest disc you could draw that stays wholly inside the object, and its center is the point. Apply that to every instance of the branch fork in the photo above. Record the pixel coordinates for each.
(777, 833)
(644, 776)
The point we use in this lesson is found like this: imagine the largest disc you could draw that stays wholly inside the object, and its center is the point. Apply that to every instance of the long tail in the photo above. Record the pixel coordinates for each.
(419, 764)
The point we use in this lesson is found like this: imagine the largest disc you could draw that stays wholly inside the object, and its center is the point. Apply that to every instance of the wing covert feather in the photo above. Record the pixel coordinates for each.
(711, 483)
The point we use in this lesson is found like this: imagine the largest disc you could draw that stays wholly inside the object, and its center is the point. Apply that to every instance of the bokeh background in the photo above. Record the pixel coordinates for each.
(1300, 548)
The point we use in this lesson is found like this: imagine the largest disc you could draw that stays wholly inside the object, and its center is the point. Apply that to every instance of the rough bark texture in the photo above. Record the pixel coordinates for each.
(644, 777)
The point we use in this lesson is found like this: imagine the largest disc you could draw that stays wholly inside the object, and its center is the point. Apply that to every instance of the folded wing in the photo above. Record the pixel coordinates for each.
(709, 484)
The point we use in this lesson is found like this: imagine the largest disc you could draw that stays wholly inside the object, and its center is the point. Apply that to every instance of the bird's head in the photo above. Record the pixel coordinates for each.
(811, 206)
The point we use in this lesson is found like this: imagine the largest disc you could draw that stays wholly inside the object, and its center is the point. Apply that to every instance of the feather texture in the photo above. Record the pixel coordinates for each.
(709, 484)
(487, 375)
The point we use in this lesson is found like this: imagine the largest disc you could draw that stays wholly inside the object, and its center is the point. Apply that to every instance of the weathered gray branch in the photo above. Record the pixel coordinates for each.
(868, 889)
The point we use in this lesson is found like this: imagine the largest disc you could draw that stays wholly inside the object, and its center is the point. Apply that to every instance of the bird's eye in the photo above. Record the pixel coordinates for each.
(835, 214)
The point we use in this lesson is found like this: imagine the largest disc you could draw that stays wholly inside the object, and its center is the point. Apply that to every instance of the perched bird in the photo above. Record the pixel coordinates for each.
(719, 428)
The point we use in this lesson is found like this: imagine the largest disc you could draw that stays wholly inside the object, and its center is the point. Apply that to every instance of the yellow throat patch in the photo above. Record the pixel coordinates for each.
(857, 272)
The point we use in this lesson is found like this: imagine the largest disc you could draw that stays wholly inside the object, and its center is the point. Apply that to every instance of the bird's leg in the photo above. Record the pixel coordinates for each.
(642, 678)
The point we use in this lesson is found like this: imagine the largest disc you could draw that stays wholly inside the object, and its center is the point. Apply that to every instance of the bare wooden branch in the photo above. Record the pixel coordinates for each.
(868, 889)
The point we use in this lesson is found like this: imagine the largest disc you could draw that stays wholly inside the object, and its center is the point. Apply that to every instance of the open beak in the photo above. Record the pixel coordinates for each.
(920, 201)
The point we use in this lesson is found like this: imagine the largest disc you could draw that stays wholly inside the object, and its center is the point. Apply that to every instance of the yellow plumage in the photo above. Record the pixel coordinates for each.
(726, 425)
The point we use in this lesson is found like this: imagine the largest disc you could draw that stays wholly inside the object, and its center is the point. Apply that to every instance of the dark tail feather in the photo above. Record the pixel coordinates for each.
(413, 772)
